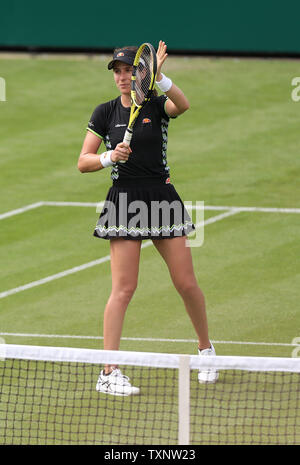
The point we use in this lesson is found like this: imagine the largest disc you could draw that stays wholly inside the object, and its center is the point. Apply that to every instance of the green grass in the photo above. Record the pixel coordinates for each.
(238, 145)
(242, 408)
(51, 403)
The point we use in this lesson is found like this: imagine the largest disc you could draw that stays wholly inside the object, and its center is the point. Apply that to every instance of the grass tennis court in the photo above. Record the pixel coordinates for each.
(237, 146)
(56, 403)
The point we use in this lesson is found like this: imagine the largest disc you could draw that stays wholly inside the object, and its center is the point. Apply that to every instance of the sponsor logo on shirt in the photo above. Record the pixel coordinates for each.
(146, 120)
(120, 125)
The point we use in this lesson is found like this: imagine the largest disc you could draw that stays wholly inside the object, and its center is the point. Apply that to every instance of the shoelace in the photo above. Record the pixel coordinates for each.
(117, 373)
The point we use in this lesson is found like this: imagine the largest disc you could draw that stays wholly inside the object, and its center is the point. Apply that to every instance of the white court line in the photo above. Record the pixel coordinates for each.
(251, 209)
(21, 210)
(72, 204)
(62, 274)
(76, 269)
(146, 339)
(216, 218)
(229, 212)
(53, 277)
(100, 204)
(193, 207)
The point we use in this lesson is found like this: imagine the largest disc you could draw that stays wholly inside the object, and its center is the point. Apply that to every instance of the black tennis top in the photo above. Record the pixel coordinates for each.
(149, 141)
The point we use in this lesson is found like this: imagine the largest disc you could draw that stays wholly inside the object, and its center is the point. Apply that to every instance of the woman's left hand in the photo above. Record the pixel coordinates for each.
(161, 57)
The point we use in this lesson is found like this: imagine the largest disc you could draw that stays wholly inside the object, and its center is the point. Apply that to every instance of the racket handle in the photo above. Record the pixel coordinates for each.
(127, 137)
(127, 140)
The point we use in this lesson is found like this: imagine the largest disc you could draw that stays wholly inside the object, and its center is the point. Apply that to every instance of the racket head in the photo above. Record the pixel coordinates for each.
(143, 75)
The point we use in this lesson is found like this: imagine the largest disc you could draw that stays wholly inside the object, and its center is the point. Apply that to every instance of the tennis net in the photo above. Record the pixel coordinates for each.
(48, 396)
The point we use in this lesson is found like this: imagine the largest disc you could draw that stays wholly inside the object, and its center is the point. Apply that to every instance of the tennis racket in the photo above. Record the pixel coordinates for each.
(142, 84)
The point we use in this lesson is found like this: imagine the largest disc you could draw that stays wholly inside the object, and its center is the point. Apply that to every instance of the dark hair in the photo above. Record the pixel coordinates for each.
(134, 48)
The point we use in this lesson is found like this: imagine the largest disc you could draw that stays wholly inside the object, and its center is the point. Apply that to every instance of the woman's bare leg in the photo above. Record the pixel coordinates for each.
(178, 258)
(125, 257)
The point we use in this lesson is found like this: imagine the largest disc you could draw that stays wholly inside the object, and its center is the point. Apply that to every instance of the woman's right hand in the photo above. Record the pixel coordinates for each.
(121, 152)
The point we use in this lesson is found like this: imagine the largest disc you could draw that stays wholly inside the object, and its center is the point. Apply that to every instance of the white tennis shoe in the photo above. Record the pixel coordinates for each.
(210, 375)
(115, 384)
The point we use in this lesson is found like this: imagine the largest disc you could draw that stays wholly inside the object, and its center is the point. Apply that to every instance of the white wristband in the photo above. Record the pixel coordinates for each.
(105, 159)
(164, 84)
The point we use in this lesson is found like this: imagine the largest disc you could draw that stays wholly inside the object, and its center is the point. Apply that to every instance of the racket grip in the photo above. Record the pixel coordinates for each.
(127, 137)
(127, 140)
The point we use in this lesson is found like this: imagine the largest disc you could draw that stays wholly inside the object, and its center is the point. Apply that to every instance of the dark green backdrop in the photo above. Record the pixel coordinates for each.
(262, 26)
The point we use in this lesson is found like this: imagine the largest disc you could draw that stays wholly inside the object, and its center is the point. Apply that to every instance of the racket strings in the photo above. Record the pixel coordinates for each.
(144, 73)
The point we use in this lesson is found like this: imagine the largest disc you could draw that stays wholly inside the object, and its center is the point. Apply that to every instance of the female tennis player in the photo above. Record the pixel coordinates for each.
(142, 203)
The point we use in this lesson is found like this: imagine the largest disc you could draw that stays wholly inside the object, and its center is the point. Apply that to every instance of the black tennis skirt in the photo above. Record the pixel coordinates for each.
(143, 208)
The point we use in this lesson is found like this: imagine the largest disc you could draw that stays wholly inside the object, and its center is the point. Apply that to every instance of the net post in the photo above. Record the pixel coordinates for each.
(184, 400)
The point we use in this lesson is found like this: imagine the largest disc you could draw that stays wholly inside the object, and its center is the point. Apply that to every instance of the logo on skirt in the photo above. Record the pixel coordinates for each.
(168, 180)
